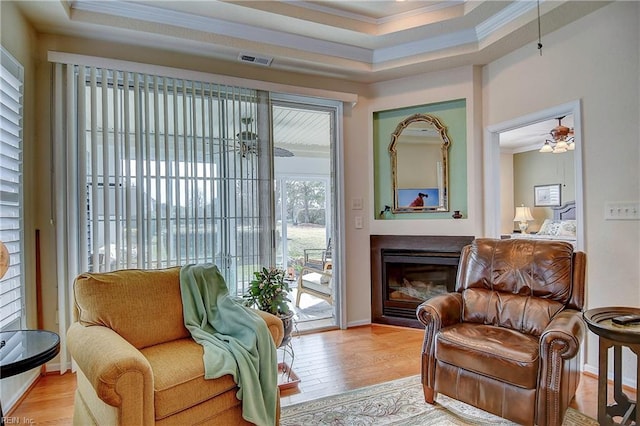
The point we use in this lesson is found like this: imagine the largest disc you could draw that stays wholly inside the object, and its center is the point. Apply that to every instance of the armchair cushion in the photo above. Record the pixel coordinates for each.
(132, 304)
(181, 385)
(317, 281)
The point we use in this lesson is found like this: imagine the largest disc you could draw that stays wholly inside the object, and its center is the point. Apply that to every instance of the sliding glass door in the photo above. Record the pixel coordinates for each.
(304, 142)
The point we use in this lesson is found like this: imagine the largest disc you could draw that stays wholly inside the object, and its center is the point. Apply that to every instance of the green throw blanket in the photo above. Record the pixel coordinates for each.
(236, 341)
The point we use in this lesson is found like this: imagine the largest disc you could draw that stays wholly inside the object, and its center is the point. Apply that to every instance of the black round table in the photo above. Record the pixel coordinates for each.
(610, 334)
(23, 350)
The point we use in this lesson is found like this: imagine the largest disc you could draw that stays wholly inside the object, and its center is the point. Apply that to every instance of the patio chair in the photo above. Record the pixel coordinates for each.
(316, 276)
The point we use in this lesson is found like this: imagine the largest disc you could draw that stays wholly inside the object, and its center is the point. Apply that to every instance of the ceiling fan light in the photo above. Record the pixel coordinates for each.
(571, 146)
(557, 150)
(562, 144)
(546, 147)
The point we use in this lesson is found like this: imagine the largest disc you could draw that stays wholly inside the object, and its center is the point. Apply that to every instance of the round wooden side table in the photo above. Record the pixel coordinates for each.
(599, 321)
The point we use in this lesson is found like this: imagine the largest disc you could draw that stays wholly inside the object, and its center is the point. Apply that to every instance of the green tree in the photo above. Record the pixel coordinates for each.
(303, 197)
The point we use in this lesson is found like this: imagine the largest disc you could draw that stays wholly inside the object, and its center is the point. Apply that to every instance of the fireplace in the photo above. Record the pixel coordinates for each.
(407, 270)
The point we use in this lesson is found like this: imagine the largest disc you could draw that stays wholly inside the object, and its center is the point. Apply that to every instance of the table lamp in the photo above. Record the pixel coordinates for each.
(523, 215)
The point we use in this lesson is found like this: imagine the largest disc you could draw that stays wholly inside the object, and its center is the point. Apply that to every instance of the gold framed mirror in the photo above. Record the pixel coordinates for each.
(419, 151)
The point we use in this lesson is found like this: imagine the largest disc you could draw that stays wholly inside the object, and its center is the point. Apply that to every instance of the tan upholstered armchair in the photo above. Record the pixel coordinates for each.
(508, 339)
(137, 363)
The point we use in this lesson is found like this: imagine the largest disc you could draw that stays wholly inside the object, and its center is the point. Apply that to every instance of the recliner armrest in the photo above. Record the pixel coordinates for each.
(568, 329)
(559, 365)
(436, 313)
(441, 311)
(120, 375)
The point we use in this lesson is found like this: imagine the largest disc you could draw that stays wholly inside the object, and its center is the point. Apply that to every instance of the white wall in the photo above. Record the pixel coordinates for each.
(596, 60)
(507, 203)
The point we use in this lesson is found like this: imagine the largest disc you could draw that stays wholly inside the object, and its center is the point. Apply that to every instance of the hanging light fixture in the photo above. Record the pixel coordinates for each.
(249, 142)
(563, 139)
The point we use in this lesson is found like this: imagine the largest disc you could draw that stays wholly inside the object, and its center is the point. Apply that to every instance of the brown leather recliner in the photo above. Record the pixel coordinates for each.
(508, 339)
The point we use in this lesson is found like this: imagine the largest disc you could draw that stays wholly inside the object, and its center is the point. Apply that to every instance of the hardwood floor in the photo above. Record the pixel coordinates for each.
(326, 363)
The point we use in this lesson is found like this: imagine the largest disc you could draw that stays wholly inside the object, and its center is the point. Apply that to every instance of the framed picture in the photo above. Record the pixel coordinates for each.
(546, 195)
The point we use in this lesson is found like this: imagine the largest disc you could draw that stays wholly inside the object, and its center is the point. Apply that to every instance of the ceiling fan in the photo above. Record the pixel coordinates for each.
(563, 139)
(249, 140)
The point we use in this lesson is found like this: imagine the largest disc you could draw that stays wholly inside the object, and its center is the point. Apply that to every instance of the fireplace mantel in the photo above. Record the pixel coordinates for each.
(437, 250)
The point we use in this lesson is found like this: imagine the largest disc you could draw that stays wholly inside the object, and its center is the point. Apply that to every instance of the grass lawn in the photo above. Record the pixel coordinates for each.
(302, 237)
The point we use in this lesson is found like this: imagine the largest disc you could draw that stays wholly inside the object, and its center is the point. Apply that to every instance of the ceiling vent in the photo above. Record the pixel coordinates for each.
(258, 60)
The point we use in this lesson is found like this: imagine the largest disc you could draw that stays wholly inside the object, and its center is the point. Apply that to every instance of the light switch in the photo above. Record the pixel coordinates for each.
(356, 203)
(621, 210)
(358, 222)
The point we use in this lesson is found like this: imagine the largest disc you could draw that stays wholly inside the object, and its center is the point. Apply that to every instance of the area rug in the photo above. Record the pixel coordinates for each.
(400, 402)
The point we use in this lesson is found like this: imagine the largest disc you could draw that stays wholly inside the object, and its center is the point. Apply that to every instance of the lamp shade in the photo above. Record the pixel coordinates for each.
(523, 214)
(546, 147)
(4, 259)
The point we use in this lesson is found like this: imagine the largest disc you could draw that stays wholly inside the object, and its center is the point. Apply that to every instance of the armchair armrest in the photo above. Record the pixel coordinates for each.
(117, 371)
(274, 324)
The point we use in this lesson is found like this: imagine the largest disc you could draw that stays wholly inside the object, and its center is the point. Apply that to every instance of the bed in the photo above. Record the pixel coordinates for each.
(561, 228)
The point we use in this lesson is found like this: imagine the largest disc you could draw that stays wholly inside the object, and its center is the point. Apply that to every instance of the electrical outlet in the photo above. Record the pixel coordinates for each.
(622, 210)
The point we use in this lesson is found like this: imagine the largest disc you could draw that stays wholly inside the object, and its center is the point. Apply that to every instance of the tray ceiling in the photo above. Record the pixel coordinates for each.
(363, 41)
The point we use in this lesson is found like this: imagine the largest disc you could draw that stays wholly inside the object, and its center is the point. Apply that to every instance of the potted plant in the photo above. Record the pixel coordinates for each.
(268, 291)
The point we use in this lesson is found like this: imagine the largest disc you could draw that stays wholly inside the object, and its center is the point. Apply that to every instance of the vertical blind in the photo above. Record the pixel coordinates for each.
(11, 192)
(168, 173)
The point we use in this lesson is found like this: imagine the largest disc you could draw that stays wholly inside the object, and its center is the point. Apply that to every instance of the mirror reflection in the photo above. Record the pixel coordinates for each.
(419, 165)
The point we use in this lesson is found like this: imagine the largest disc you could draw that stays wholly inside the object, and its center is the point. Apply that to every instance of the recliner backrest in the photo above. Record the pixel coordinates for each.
(519, 284)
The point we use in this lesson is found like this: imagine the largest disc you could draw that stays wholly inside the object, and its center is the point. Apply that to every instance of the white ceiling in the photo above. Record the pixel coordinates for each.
(363, 41)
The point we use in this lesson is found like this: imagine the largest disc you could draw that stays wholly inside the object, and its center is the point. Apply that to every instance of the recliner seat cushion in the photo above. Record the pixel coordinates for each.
(178, 373)
(497, 352)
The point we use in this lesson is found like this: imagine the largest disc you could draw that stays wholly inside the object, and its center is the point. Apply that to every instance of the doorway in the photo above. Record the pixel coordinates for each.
(305, 208)
(499, 206)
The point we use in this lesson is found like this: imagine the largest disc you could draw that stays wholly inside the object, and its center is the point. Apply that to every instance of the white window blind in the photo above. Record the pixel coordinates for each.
(170, 173)
(11, 193)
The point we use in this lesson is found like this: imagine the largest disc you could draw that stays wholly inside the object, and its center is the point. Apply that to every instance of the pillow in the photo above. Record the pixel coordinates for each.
(549, 227)
(567, 228)
(558, 228)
